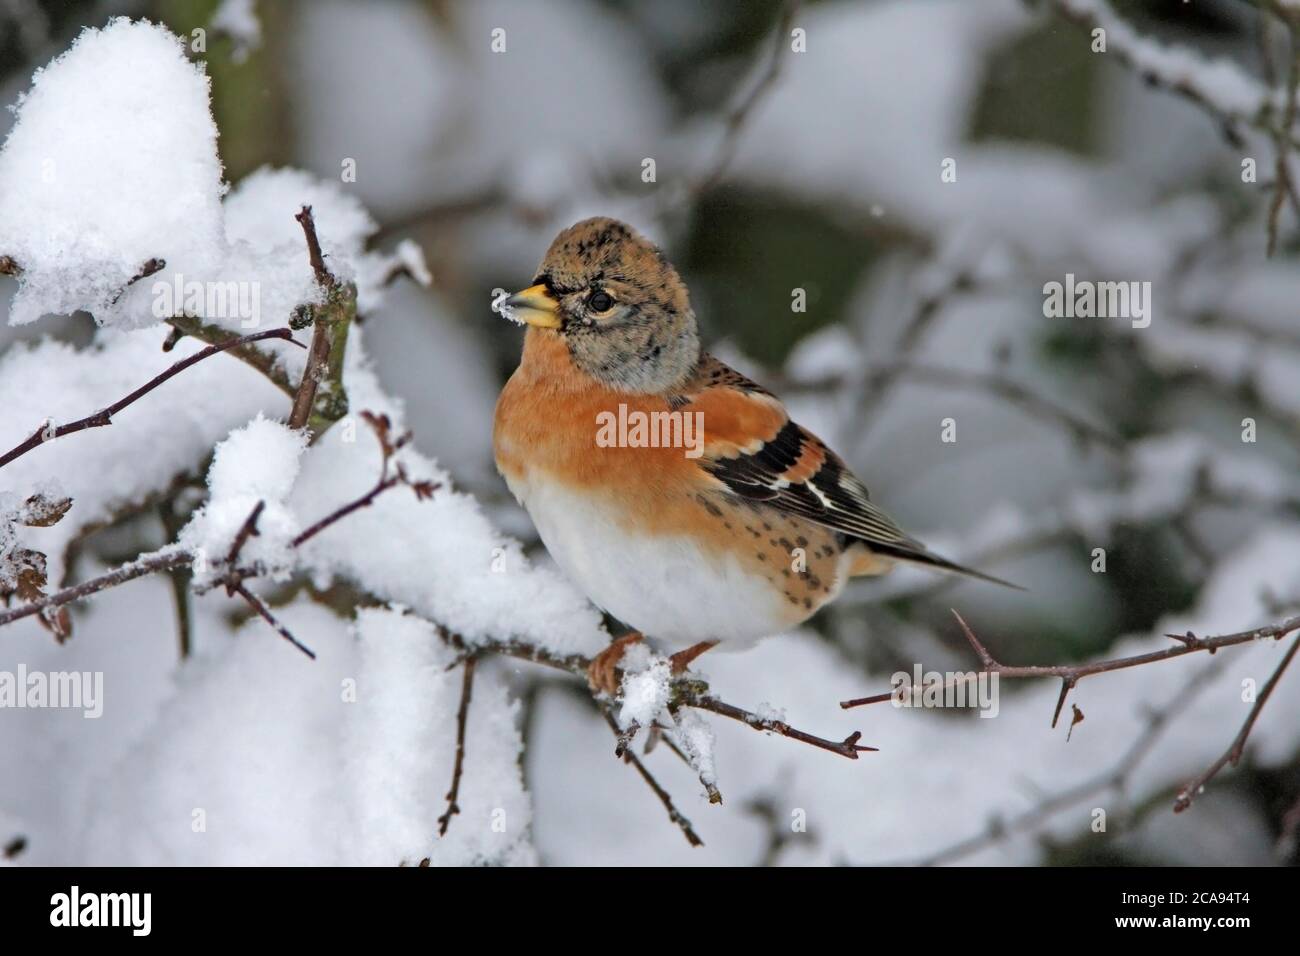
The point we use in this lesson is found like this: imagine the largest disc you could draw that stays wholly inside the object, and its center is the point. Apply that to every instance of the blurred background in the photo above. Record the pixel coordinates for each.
(777, 170)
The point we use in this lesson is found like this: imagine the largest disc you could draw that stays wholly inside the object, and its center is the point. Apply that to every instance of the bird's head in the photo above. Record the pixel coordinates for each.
(616, 302)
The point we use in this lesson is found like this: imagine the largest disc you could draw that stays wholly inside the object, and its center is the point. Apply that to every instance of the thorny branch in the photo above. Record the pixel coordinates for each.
(1233, 754)
(735, 123)
(1189, 643)
(1231, 119)
(264, 362)
(1071, 674)
(1186, 84)
(1112, 780)
(235, 574)
(104, 416)
(1032, 403)
(462, 719)
(675, 815)
(329, 340)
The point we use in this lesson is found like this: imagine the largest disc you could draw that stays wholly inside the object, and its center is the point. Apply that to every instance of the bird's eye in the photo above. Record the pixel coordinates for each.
(600, 301)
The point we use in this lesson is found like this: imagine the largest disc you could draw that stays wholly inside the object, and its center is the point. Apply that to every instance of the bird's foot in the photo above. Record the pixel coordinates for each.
(682, 659)
(602, 672)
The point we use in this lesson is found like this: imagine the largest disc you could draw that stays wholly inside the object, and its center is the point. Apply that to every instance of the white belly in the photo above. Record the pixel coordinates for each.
(665, 587)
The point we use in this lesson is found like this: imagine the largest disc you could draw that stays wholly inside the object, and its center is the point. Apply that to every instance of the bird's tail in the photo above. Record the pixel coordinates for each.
(920, 555)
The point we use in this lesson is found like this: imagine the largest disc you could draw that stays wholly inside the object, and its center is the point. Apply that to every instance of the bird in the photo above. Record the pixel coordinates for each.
(675, 492)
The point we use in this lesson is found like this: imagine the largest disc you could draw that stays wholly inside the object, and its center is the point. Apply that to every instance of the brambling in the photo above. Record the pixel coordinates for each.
(675, 492)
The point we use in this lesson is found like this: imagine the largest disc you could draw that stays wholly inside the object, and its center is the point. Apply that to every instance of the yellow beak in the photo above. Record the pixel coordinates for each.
(536, 307)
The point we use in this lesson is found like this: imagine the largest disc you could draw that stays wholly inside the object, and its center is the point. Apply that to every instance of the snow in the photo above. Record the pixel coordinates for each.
(644, 692)
(1221, 82)
(411, 257)
(112, 161)
(238, 20)
(342, 760)
(168, 432)
(257, 463)
(695, 738)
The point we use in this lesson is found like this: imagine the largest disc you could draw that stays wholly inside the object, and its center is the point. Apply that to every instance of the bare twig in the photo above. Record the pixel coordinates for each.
(246, 530)
(848, 747)
(1185, 83)
(365, 501)
(1286, 842)
(675, 815)
(180, 577)
(1232, 756)
(462, 719)
(657, 733)
(264, 362)
(736, 120)
(258, 605)
(324, 277)
(149, 268)
(1071, 674)
(234, 574)
(1284, 186)
(161, 561)
(329, 339)
(928, 308)
(1020, 396)
(1116, 778)
(104, 416)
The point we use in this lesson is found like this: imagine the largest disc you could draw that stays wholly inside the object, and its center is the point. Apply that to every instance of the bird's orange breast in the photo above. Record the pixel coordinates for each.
(554, 419)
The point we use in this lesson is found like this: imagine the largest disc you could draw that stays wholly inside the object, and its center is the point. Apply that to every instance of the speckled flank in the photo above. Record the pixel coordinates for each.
(805, 561)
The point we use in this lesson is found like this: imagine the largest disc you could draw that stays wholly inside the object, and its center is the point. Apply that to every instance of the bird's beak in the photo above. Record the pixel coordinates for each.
(535, 306)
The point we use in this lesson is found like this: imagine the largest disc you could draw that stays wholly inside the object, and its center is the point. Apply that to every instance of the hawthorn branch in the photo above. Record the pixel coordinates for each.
(1284, 186)
(172, 558)
(1286, 842)
(246, 530)
(1019, 396)
(150, 267)
(462, 719)
(180, 577)
(738, 117)
(161, 561)
(1185, 83)
(328, 344)
(104, 416)
(1232, 756)
(264, 362)
(1115, 779)
(1071, 674)
(675, 815)
(258, 605)
(848, 747)
(385, 482)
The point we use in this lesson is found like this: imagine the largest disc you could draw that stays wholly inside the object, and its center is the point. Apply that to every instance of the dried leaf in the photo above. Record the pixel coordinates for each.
(42, 512)
(31, 574)
(57, 621)
(1076, 719)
